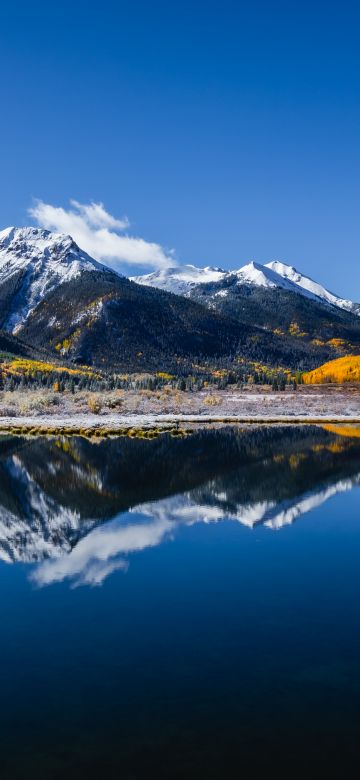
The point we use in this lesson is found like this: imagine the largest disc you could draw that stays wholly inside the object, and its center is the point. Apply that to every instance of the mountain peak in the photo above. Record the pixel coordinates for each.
(260, 275)
(35, 237)
(33, 261)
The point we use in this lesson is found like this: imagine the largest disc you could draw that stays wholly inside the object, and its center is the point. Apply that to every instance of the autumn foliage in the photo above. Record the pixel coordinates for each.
(344, 369)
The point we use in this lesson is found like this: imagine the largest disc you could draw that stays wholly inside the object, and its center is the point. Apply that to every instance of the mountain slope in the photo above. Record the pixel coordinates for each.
(321, 332)
(101, 319)
(12, 345)
(33, 262)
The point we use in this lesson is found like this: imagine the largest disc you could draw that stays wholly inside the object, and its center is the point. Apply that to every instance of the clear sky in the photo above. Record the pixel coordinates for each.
(227, 131)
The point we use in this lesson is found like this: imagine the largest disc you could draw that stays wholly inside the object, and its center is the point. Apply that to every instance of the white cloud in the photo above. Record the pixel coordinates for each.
(96, 215)
(101, 235)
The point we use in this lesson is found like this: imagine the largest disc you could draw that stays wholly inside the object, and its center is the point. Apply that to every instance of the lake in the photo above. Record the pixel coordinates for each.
(180, 607)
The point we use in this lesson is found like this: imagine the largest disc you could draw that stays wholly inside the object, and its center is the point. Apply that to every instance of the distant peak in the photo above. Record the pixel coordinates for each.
(274, 264)
(253, 264)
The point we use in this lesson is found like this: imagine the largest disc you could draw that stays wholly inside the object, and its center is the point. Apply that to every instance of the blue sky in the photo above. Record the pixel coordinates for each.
(226, 131)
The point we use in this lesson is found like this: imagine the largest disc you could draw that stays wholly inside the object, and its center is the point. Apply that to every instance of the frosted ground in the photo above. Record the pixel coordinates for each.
(147, 408)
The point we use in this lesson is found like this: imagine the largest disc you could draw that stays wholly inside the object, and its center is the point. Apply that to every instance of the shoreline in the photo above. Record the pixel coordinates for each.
(139, 413)
(149, 426)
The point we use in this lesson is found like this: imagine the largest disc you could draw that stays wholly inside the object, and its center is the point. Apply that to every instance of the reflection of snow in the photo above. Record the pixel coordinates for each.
(183, 509)
(288, 515)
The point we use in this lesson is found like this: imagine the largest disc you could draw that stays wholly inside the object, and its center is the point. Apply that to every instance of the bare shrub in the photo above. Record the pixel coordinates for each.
(94, 403)
(212, 400)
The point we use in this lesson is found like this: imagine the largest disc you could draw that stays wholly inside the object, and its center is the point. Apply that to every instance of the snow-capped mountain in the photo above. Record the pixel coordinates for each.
(32, 263)
(180, 279)
(184, 279)
(54, 293)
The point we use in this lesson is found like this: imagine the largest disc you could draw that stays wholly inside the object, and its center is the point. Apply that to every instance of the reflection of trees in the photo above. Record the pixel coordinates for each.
(80, 483)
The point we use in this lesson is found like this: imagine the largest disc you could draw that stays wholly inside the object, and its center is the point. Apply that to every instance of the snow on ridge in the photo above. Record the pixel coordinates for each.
(290, 273)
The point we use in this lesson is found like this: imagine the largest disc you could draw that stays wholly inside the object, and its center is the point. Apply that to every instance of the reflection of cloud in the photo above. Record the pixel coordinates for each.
(97, 555)
(97, 571)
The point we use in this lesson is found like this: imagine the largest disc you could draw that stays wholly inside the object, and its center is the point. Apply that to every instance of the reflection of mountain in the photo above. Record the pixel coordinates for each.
(192, 508)
(56, 494)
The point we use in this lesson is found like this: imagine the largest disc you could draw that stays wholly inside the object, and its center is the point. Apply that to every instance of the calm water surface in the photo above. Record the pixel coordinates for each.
(180, 608)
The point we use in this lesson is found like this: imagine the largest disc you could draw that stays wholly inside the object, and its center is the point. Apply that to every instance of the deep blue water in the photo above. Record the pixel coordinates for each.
(155, 633)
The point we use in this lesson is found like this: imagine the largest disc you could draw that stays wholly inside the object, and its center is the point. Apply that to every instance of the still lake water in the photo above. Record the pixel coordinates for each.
(180, 607)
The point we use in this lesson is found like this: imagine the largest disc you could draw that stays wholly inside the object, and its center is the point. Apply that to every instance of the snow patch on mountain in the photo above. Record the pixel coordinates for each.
(180, 279)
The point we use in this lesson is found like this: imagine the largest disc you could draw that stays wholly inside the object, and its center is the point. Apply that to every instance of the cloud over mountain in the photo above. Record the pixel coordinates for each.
(102, 235)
